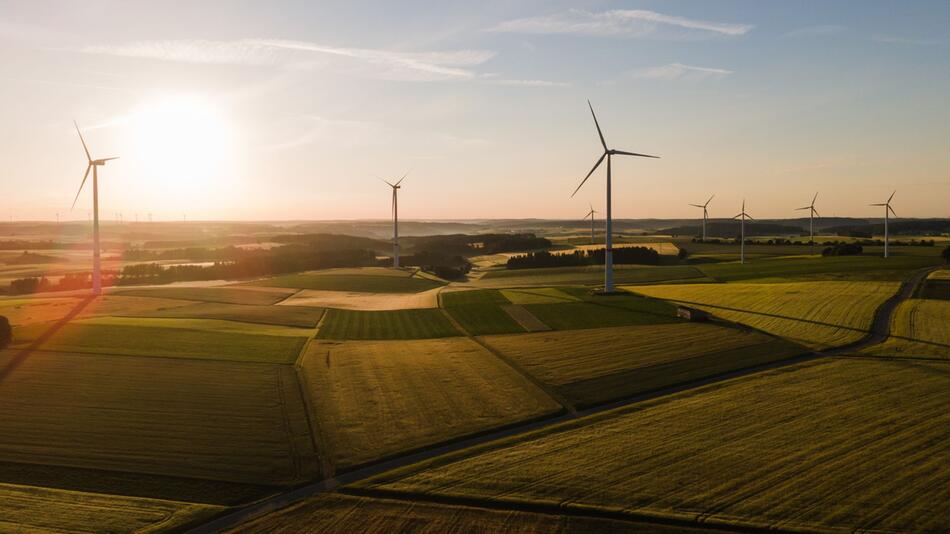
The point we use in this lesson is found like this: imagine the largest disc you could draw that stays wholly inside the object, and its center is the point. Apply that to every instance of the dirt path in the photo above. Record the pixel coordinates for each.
(879, 331)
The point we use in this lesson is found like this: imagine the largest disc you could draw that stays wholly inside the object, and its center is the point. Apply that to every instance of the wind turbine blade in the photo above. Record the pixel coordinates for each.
(737, 216)
(877, 204)
(815, 212)
(708, 201)
(403, 177)
(805, 208)
(604, 155)
(635, 154)
(597, 124)
(892, 196)
(894, 213)
(385, 182)
(108, 159)
(88, 168)
(751, 218)
(697, 206)
(83, 141)
(814, 199)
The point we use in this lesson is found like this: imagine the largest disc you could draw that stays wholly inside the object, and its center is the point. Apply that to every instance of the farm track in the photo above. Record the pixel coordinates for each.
(880, 329)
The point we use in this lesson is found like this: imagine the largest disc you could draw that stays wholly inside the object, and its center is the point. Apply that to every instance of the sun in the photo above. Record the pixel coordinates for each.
(182, 145)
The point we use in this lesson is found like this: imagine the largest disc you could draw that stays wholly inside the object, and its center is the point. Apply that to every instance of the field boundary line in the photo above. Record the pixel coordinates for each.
(288, 297)
(320, 446)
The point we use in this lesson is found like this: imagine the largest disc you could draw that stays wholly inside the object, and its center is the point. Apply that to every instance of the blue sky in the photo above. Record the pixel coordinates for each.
(280, 110)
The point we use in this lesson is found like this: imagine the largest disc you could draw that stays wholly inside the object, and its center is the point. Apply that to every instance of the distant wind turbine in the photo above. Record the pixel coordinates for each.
(888, 210)
(742, 217)
(608, 153)
(94, 164)
(812, 213)
(591, 214)
(705, 214)
(396, 187)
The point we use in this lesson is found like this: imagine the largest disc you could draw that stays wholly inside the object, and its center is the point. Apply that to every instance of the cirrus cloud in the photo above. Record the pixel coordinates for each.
(620, 23)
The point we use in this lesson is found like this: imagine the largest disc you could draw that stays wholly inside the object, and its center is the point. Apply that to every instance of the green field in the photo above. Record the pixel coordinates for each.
(397, 324)
(599, 365)
(478, 296)
(841, 444)
(871, 268)
(591, 311)
(814, 314)
(199, 419)
(919, 328)
(484, 319)
(367, 283)
(299, 316)
(588, 275)
(223, 295)
(372, 399)
(539, 295)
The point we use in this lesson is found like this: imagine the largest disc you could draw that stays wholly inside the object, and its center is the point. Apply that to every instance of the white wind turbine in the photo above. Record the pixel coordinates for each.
(94, 164)
(705, 214)
(888, 210)
(742, 217)
(396, 187)
(591, 214)
(812, 213)
(608, 153)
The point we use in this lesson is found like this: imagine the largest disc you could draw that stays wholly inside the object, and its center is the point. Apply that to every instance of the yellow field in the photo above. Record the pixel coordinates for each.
(217, 420)
(920, 327)
(352, 300)
(23, 311)
(32, 509)
(831, 445)
(815, 314)
(940, 274)
(372, 399)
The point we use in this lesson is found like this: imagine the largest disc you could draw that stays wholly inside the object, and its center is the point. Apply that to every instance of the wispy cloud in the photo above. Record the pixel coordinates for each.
(279, 52)
(893, 39)
(679, 71)
(817, 31)
(620, 23)
(528, 83)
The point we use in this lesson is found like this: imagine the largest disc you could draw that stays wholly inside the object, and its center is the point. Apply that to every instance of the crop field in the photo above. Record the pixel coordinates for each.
(372, 399)
(596, 312)
(815, 314)
(397, 324)
(843, 268)
(604, 364)
(33, 509)
(541, 295)
(215, 420)
(588, 275)
(298, 316)
(480, 311)
(352, 300)
(345, 514)
(920, 328)
(170, 338)
(22, 311)
(223, 295)
(477, 296)
(368, 283)
(833, 444)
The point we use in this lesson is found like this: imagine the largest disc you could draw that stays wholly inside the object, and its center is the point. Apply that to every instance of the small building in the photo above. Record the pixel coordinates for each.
(691, 314)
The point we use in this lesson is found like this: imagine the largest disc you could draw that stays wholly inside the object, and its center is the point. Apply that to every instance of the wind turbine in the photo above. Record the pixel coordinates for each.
(608, 153)
(742, 217)
(888, 210)
(705, 214)
(812, 213)
(591, 215)
(94, 164)
(396, 187)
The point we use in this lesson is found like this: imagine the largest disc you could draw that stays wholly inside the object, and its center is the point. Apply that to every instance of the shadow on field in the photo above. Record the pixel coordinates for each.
(773, 315)
(21, 356)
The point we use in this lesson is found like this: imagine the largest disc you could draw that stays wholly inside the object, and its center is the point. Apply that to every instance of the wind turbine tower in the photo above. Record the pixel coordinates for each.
(608, 153)
(396, 187)
(591, 214)
(94, 165)
(888, 210)
(812, 213)
(742, 217)
(705, 214)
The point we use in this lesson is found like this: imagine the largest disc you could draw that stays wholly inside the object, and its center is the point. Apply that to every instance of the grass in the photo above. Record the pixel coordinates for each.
(373, 399)
(600, 311)
(540, 295)
(34, 509)
(604, 364)
(352, 282)
(223, 295)
(483, 319)
(919, 328)
(344, 514)
(843, 268)
(169, 342)
(834, 444)
(396, 324)
(298, 316)
(451, 299)
(197, 419)
(815, 314)
(588, 275)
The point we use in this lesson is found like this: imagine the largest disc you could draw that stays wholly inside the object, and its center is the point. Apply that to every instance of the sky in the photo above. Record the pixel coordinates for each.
(248, 110)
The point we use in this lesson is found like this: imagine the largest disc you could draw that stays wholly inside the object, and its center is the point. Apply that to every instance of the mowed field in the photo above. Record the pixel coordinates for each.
(818, 315)
(369, 280)
(587, 275)
(298, 316)
(836, 444)
(224, 295)
(33, 509)
(598, 365)
(839, 268)
(395, 324)
(372, 399)
(216, 420)
(919, 328)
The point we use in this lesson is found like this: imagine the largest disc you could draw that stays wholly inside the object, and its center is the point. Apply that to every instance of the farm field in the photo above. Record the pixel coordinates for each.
(215, 420)
(21, 311)
(33, 509)
(396, 324)
(223, 295)
(298, 316)
(843, 268)
(344, 514)
(350, 300)
(596, 312)
(836, 444)
(480, 311)
(372, 399)
(919, 328)
(588, 275)
(603, 364)
(398, 282)
(818, 315)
